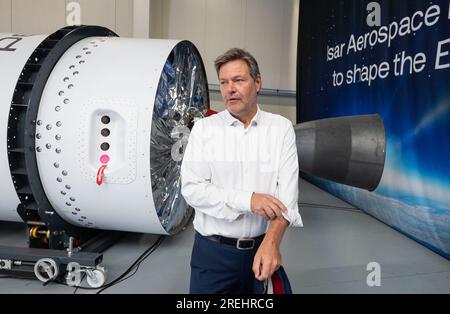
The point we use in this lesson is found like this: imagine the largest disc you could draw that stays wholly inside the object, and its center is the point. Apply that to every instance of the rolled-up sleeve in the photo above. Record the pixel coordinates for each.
(288, 178)
(196, 186)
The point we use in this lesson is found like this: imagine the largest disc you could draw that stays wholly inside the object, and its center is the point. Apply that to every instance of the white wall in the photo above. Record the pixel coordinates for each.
(5, 16)
(267, 28)
(46, 16)
(141, 18)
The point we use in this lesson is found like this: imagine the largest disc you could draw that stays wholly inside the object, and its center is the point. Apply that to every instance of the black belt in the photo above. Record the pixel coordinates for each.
(240, 244)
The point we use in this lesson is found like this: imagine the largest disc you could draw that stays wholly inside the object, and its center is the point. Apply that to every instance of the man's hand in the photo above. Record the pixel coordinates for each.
(267, 206)
(267, 260)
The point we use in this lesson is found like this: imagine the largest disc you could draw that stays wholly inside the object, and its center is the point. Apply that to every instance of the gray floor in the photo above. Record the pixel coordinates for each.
(329, 255)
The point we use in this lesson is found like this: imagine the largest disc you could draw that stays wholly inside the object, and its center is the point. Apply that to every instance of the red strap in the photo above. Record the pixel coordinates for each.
(277, 284)
(101, 174)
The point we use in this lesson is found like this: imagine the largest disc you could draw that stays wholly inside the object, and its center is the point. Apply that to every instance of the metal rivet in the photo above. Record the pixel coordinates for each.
(104, 146)
(106, 120)
(105, 132)
(39, 122)
(68, 204)
(68, 187)
(70, 86)
(48, 146)
(63, 193)
(57, 108)
(61, 93)
(66, 79)
(64, 173)
(72, 199)
(56, 165)
(39, 149)
(59, 179)
(48, 127)
(58, 137)
(66, 101)
(38, 136)
(77, 209)
(58, 124)
(58, 150)
(76, 73)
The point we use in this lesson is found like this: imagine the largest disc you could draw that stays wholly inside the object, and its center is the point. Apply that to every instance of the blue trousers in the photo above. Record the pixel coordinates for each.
(218, 268)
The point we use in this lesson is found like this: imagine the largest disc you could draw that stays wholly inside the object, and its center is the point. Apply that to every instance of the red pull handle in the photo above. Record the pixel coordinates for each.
(211, 112)
(101, 174)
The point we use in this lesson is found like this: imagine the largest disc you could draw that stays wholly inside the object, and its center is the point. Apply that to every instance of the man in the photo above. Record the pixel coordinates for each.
(240, 174)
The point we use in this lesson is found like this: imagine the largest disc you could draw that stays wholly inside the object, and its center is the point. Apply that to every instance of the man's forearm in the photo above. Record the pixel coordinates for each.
(215, 201)
(276, 230)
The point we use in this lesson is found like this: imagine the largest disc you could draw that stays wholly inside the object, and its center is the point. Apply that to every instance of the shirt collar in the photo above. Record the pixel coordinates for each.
(232, 120)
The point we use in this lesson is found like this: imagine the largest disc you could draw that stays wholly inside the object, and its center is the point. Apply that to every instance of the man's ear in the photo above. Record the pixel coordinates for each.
(259, 83)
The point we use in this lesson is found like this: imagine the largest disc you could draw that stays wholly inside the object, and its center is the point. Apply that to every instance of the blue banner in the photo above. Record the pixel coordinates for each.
(389, 57)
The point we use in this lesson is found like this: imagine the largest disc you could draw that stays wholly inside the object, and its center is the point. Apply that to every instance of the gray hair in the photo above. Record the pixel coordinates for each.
(238, 54)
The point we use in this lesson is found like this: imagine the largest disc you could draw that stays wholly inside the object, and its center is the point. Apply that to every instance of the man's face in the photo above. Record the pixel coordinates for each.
(238, 89)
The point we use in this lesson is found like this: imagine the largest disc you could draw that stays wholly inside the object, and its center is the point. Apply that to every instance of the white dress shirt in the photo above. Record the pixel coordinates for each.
(223, 165)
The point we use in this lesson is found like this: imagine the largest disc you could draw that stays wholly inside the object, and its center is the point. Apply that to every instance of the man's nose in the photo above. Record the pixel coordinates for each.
(231, 88)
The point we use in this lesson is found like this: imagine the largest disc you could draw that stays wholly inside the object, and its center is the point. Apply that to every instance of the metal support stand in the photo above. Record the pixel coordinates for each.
(65, 266)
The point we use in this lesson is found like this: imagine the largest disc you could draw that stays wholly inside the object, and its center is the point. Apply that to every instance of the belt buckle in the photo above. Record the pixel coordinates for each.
(245, 244)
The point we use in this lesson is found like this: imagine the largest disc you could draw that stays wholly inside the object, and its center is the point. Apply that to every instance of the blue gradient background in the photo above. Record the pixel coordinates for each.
(414, 193)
